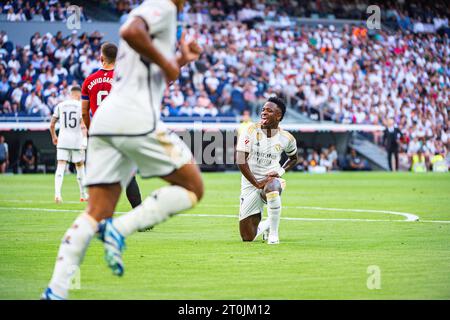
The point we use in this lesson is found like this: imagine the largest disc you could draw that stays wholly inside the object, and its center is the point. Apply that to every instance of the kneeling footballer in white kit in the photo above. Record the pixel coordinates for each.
(70, 141)
(259, 150)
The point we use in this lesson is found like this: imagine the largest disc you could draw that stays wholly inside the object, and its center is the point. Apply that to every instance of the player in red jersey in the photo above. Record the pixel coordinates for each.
(95, 89)
(98, 85)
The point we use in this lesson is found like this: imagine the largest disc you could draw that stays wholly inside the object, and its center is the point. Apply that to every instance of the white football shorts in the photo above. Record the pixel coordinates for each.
(70, 155)
(114, 159)
(252, 201)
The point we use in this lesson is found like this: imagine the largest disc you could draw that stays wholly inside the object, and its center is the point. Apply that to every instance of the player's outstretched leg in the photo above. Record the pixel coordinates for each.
(272, 192)
(185, 191)
(59, 177)
(102, 201)
(80, 178)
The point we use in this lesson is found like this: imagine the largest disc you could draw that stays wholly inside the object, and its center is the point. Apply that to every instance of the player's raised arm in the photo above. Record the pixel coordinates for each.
(189, 51)
(136, 34)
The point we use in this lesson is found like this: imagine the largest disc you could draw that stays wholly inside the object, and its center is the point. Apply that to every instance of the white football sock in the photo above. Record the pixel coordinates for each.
(154, 209)
(262, 226)
(80, 179)
(59, 177)
(71, 253)
(274, 211)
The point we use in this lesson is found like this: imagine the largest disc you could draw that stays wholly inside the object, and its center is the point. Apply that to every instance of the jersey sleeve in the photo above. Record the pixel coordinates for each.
(244, 143)
(156, 15)
(85, 90)
(291, 146)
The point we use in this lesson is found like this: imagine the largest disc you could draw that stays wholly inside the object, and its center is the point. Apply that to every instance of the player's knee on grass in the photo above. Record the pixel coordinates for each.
(247, 233)
(248, 227)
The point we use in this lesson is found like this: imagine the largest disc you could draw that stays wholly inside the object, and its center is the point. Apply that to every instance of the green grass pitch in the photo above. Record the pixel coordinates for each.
(200, 255)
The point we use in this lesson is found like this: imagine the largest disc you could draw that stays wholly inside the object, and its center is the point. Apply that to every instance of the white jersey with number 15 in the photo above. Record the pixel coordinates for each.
(69, 115)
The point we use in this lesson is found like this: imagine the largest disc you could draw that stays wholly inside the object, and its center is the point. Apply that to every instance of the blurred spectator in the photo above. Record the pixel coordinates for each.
(333, 156)
(355, 162)
(439, 163)
(4, 155)
(419, 162)
(246, 121)
(28, 158)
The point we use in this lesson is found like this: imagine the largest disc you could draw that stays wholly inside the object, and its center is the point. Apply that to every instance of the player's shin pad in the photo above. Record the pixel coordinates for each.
(160, 205)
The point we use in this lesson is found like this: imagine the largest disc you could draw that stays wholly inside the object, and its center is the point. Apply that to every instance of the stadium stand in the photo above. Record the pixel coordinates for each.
(343, 74)
(38, 10)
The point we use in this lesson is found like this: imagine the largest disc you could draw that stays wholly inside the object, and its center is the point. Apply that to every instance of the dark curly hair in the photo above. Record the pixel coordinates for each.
(280, 104)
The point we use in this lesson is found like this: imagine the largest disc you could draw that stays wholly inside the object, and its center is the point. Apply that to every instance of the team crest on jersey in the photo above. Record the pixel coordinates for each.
(278, 147)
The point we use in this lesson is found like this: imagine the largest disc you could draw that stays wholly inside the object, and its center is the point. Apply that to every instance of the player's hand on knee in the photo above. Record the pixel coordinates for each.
(262, 183)
(273, 174)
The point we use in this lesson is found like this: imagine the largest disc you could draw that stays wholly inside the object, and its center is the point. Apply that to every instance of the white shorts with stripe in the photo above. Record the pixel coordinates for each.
(252, 201)
(114, 159)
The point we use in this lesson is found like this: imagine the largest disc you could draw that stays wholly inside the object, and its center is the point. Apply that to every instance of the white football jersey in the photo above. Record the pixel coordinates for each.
(69, 115)
(264, 153)
(134, 103)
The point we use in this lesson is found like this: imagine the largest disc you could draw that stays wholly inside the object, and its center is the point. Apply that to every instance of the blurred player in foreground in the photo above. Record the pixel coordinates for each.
(126, 133)
(69, 142)
(258, 155)
(95, 89)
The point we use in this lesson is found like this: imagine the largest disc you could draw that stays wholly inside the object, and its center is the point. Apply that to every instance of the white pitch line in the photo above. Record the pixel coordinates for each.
(408, 216)
(38, 201)
(235, 216)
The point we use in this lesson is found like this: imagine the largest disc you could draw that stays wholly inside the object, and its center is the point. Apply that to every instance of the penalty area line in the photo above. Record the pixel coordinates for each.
(236, 216)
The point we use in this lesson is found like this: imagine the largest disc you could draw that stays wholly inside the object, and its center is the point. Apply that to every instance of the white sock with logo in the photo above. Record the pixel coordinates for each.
(80, 179)
(59, 177)
(274, 211)
(156, 208)
(71, 253)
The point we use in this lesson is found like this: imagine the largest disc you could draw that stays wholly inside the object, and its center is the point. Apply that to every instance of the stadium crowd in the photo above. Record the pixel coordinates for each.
(39, 10)
(398, 13)
(345, 75)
